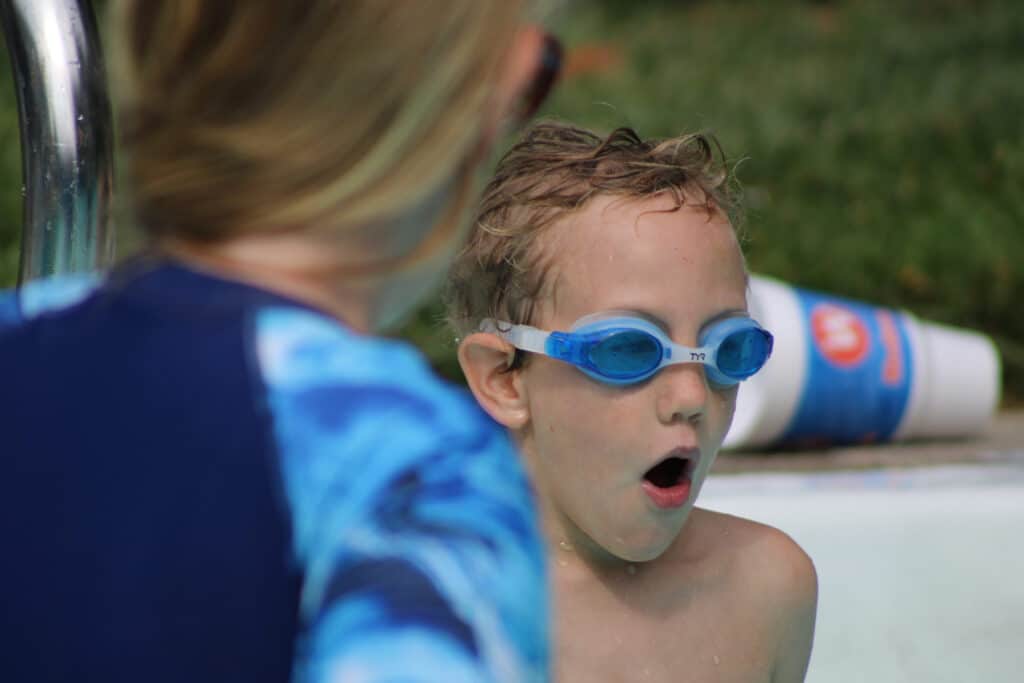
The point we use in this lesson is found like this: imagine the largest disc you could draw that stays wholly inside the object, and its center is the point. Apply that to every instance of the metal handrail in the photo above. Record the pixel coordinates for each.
(66, 135)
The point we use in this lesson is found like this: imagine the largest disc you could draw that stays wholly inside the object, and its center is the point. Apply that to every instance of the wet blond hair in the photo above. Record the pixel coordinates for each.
(553, 171)
(260, 116)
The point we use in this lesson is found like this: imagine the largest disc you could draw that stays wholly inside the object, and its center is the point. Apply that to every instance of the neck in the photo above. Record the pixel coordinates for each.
(290, 265)
(570, 547)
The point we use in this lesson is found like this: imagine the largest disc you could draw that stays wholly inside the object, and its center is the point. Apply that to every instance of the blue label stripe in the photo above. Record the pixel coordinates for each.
(859, 373)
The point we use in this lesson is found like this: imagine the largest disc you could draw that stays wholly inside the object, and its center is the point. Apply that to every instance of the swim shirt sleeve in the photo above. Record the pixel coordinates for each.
(411, 516)
(41, 296)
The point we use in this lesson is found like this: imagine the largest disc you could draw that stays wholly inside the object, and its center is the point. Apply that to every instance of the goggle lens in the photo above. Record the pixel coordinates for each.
(626, 354)
(743, 352)
(627, 349)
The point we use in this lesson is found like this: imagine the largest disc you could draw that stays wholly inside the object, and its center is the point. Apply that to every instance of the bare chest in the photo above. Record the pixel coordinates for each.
(612, 635)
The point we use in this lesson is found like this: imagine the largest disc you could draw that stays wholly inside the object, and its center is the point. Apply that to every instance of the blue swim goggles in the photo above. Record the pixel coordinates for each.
(616, 347)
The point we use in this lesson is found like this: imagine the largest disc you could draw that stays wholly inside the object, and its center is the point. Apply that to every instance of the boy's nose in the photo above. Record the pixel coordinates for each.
(682, 393)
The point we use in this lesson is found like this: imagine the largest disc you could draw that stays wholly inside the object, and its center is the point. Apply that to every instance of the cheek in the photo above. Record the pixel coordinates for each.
(722, 407)
(404, 291)
(571, 418)
(557, 387)
(727, 404)
(565, 420)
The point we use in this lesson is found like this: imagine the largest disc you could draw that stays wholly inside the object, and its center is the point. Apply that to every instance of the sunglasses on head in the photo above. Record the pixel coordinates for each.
(548, 67)
(619, 348)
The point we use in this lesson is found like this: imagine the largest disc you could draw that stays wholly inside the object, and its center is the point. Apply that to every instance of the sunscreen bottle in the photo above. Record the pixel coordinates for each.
(847, 372)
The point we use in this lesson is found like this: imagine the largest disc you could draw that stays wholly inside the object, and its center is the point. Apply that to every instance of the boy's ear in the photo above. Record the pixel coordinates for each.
(484, 359)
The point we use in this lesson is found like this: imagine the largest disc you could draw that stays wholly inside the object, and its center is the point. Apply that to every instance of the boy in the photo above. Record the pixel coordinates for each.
(627, 245)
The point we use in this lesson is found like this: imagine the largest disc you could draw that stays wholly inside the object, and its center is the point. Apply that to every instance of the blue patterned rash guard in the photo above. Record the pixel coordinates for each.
(201, 480)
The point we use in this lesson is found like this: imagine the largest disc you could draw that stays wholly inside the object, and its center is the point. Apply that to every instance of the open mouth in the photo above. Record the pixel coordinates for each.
(667, 484)
(668, 473)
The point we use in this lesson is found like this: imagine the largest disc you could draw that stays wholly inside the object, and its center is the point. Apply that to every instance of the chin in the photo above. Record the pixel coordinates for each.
(641, 552)
(640, 556)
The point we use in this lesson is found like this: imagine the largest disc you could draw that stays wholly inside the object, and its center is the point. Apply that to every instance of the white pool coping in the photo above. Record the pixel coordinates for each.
(921, 571)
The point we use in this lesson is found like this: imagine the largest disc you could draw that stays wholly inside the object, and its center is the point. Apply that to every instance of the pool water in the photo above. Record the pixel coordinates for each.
(921, 571)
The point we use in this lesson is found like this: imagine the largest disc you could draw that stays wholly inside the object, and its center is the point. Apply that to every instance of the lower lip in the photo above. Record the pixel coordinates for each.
(668, 498)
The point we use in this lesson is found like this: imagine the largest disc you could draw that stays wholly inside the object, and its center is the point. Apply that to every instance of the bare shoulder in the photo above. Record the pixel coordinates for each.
(776, 581)
(758, 556)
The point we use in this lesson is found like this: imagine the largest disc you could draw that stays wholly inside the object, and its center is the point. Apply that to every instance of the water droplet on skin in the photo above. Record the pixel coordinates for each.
(562, 562)
(631, 569)
(566, 546)
(717, 660)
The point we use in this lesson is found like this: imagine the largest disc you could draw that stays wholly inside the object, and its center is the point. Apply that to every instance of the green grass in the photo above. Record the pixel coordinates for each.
(10, 175)
(882, 143)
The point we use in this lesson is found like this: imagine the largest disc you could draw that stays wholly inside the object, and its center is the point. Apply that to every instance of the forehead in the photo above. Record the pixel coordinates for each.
(638, 254)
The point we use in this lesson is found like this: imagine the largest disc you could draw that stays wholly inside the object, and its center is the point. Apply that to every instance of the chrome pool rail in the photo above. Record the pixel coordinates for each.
(67, 135)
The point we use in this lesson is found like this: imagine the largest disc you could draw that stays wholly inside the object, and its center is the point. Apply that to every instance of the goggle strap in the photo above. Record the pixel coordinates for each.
(522, 337)
(528, 338)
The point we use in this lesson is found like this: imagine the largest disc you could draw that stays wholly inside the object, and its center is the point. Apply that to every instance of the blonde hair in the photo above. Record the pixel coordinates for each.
(554, 170)
(261, 116)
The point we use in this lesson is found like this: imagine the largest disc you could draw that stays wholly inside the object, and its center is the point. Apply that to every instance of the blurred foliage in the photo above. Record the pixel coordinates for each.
(880, 144)
(10, 175)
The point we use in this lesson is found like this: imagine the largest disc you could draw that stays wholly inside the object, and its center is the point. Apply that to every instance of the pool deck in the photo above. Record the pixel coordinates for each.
(917, 547)
(1003, 441)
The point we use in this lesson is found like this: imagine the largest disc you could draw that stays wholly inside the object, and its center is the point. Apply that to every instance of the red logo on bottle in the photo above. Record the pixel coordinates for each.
(840, 334)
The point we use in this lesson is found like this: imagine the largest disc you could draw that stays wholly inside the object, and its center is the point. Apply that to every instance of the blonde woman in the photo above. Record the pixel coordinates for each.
(212, 468)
